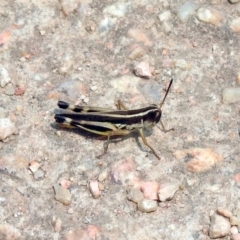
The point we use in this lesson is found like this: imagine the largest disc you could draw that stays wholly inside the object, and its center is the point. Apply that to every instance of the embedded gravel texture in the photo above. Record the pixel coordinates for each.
(85, 52)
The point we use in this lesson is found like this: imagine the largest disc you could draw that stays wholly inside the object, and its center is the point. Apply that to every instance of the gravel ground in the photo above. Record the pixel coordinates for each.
(87, 52)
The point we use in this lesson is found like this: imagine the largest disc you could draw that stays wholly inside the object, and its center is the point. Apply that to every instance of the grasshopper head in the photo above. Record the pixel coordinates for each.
(152, 118)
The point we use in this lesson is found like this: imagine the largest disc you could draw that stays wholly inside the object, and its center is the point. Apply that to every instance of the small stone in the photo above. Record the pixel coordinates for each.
(4, 76)
(235, 25)
(147, 205)
(203, 158)
(167, 27)
(62, 195)
(34, 166)
(42, 32)
(219, 227)
(7, 128)
(123, 171)
(59, 133)
(142, 69)
(186, 10)
(38, 174)
(150, 190)
(106, 24)
(19, 108)
(234, 230)
(235, 236)
(117, 9)
(8, 231)
(139, 36)
(23, 59)
(57, 224)
(234, 1)
(238, 78)
(231, 95)
(101, 186)
(164, 16)
(136, 53)
(9, 90)
(94, 189)
(236, 177)
(65, 183)
(209, 16)
(93, 88)
(234, 221)
(19, 91)
(69, 6)
(224, 212)
(167, 191)
(70, 211)
(86, 100)
(66, 66)
(135, 195)
(102, 176)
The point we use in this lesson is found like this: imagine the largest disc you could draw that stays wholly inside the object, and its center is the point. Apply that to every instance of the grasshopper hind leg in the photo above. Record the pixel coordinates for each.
(105, 148)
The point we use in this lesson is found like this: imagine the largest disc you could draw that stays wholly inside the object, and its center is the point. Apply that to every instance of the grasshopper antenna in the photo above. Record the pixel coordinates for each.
(169, 86)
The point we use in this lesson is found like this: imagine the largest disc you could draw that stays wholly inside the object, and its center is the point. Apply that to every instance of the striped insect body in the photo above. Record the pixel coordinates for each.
(109, 122)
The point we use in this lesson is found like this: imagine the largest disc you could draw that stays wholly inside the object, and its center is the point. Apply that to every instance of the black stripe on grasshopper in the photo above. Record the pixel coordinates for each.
(107, 122)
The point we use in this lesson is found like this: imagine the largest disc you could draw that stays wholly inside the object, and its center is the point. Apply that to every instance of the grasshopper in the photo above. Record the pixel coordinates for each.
(107, 122)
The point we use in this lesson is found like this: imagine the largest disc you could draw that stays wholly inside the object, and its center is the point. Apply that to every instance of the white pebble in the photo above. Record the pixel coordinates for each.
(224, 212)
(94, 189)
(86, 100)
(9, 90)
(142, 69)
(39, 174)
(167, 27)
(93, 88)
(164, 16)
(231, 95)
(234, 230)
(106, 24)
(62, 195)
(102, 176)
(235, 236)
(209, 16)
(7, 128)
(167, 191)
(34, 166)
(69, 6)
(219, 227)
(135, 195)
(42, 33)
(147, 205)
(117, 9)
(186, 10)
(235, 25)
(4, 77)
(234, 221)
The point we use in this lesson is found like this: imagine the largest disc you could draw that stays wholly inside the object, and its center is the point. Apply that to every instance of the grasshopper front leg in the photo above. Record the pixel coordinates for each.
(146, 143)
(120, 105)
(164, 129)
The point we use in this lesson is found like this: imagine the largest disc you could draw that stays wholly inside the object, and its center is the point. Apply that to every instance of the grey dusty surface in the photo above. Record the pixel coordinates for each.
(52, 186)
